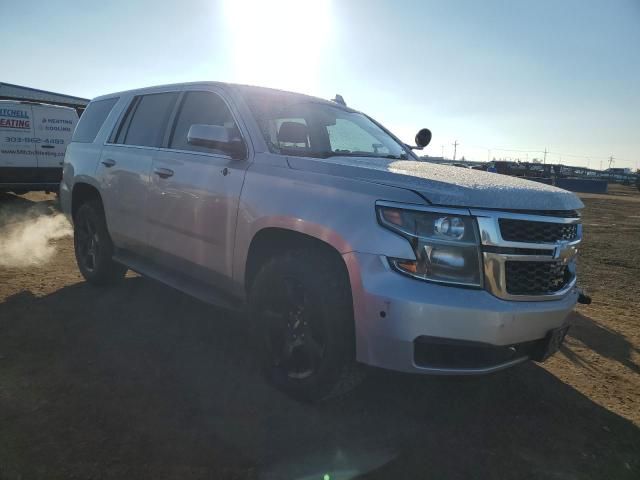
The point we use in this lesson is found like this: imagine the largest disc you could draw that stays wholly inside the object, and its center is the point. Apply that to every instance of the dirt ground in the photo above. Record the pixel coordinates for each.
(140, 381)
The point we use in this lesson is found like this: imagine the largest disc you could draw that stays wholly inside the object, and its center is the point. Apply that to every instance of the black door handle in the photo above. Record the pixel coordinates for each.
(108, 162)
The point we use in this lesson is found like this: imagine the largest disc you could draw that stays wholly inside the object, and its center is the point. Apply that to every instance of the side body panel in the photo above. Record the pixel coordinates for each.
(81, 160)
(123, 187)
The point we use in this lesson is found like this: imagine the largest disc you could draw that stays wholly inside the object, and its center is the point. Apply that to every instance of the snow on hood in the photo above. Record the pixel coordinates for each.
(454, 186)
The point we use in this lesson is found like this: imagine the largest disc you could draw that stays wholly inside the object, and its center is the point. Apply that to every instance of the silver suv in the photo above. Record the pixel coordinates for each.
(343, 246)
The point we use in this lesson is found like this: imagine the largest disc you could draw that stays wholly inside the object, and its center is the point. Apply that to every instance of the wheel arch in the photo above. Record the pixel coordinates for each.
(81, 193)
(271, 241)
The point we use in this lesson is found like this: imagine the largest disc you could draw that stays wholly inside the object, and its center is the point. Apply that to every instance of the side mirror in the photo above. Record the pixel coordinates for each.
(217, 137)
(423, 138)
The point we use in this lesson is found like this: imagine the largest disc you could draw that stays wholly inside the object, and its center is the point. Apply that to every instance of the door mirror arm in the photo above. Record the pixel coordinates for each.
(413, 147)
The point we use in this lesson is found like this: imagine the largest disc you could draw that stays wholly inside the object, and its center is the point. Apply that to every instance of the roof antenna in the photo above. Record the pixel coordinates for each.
(339, 100)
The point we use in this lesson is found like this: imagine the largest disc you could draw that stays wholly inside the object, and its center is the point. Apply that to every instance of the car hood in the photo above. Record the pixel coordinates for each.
(445, 185)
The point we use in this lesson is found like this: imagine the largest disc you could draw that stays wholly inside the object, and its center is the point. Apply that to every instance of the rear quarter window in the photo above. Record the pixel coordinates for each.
(92, 119)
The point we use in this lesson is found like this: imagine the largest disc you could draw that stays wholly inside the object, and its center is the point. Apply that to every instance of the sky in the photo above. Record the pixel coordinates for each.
(503, 79)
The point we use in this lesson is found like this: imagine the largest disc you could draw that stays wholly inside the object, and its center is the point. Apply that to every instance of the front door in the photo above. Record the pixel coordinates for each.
(194, 193)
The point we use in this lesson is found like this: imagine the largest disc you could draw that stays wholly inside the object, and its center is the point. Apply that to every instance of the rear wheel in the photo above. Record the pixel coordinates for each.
(93, 246)
(300, 304)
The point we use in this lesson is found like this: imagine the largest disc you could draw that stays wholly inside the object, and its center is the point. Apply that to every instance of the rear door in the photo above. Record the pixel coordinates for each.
(18, 162)
(195, 191)
(54, 127)
(125, 166)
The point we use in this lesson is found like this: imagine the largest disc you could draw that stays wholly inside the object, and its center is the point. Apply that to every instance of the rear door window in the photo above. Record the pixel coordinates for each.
(92, 119)
(148, 119)
(205, 108)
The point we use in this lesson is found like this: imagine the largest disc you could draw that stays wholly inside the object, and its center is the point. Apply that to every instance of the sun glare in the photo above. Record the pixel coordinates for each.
(278, 43)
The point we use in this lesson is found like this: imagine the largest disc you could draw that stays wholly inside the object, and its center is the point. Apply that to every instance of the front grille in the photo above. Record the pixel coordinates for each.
(536, 278)
(537, 232)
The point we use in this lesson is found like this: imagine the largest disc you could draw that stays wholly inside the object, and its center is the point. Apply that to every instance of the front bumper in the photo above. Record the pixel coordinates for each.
(394, 313)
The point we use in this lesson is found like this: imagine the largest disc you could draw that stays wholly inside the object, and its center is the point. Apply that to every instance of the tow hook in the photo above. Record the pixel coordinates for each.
(583, 298)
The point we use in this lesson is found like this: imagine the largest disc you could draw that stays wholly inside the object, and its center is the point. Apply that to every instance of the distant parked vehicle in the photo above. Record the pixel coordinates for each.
(33, 141)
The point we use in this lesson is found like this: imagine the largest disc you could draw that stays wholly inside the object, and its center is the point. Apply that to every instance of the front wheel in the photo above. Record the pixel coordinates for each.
(93, 246)
(300, 304)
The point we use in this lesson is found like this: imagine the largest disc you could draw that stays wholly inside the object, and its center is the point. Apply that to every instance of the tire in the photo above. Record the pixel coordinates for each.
(301, 310)
(93, 246)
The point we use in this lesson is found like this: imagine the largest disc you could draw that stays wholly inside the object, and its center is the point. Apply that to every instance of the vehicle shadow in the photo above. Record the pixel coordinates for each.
(605, 342)
(140, 381)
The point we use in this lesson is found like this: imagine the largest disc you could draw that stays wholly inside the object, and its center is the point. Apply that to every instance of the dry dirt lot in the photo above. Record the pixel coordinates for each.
(140, 381)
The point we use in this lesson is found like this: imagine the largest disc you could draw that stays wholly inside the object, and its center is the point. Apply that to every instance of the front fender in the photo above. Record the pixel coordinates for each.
(338, 211)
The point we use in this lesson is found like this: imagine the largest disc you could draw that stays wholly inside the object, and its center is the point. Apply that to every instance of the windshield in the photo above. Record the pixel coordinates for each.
(297, 125)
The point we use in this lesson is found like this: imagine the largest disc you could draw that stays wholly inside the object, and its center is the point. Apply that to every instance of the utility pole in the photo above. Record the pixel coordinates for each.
(442, 151)
(455, 147)
(611, 159)
(544, 160)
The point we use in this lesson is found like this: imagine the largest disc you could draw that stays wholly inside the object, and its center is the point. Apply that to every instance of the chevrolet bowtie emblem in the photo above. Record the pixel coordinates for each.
(564, 252)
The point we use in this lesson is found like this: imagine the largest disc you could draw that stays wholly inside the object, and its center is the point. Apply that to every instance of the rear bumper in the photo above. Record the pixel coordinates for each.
(29, 187)
(65, 200)
(394, 313)
(18, 179)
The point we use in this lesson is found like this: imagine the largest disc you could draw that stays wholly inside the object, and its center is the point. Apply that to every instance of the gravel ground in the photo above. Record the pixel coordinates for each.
(140, 381)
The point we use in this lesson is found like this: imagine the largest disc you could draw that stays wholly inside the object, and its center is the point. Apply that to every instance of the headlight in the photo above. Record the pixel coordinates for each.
(445, 243)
